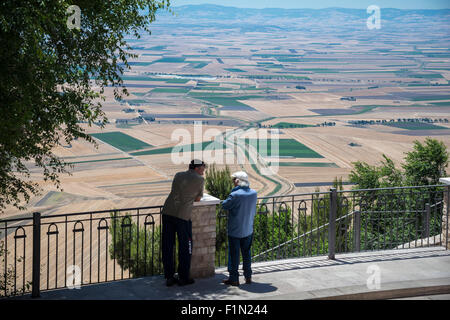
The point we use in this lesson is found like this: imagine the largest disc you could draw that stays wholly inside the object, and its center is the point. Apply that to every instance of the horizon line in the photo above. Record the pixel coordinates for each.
(303, 8)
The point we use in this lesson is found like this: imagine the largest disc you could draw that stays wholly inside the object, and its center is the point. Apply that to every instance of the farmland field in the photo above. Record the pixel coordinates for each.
(287, 148)
(184, 148)
(415, 126)
(306, 164)
(335, 91)
(170, 90)
(121, 141)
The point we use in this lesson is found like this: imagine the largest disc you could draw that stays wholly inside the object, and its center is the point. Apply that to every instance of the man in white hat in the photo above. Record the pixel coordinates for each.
(241, 206)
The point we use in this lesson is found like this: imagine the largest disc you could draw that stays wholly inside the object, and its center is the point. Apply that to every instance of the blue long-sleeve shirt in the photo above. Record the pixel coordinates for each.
(241, 206)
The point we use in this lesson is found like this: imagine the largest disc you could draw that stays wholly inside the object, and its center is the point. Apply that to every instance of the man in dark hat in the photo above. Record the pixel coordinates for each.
(187, 187)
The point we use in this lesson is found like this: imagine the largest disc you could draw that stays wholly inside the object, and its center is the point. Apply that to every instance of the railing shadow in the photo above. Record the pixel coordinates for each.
(343, 259)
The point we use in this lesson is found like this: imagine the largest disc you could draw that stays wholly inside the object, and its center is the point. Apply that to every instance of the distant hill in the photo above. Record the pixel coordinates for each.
(296, 19)
(215, 12)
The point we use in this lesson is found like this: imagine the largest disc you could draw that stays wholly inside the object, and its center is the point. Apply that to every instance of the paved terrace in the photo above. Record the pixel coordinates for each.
(403, 273)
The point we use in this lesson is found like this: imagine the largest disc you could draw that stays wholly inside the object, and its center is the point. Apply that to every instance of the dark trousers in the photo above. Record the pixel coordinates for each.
(234, 246)
(183, 229)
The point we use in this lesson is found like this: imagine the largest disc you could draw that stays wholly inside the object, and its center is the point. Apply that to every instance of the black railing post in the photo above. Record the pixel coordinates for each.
(427, 221)
(357, 228)
(36, 276)
(332, 224)
(446, 213)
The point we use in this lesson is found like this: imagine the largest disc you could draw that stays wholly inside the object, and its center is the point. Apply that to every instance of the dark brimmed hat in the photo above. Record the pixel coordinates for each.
(196, 163)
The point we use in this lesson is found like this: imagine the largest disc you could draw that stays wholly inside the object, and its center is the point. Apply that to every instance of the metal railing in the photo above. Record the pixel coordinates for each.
(69, 250)
(326, 223)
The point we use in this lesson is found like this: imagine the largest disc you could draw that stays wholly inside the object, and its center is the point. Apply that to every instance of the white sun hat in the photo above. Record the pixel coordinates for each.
(242, 178)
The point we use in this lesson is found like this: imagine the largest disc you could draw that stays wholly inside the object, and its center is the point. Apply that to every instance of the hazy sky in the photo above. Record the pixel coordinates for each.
(316, 4)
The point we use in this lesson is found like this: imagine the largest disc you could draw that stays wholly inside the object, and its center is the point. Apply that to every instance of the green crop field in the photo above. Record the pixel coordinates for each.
(306, 164)
(170, 90)
(414, 126)
(431, 97)
(426, 76)
(441, 104)
(121, 141)
(101, 160)
(287, 148)
(139, 63)
(192, 147)
(157, 48)
(177, 80)
(199, 65)
(170, 60)
(214, 88)
(229, 102)
(234, 70)
(208, 84)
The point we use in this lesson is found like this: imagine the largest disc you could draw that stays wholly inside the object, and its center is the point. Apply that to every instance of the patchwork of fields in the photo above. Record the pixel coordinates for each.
(332, 90)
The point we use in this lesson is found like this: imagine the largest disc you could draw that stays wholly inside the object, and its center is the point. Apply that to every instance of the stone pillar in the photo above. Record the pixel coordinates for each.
(446, 214)
(204, 237)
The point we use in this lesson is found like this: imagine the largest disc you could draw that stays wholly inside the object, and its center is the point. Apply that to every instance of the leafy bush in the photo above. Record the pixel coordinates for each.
(136, 250)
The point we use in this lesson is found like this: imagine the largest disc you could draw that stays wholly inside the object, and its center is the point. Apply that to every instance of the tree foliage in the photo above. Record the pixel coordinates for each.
(136, 249)
(218, 183)
(47, 76)
(272, 232)
(396, 216)
(424, 165)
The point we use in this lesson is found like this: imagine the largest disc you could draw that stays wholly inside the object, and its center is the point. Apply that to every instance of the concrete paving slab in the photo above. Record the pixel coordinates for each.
(292, 279)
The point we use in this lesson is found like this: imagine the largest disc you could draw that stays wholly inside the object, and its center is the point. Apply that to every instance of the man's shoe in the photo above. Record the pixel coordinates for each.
(248, 280)
(171, 281)
(182, 282)
(231, 283)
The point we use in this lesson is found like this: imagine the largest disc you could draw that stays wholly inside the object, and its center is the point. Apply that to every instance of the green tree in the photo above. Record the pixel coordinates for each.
(219, 184)
(135, 249)
(394, 217)
(313, 228)
(426, 163)
(47, 73)
(385, 175)
(272, 233)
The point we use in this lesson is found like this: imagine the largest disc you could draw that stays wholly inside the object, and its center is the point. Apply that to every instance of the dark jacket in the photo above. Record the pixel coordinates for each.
(186, 187)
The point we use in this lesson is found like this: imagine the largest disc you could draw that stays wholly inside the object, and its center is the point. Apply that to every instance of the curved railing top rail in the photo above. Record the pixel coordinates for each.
(259, 198)
(83, 213)
(349, 191)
